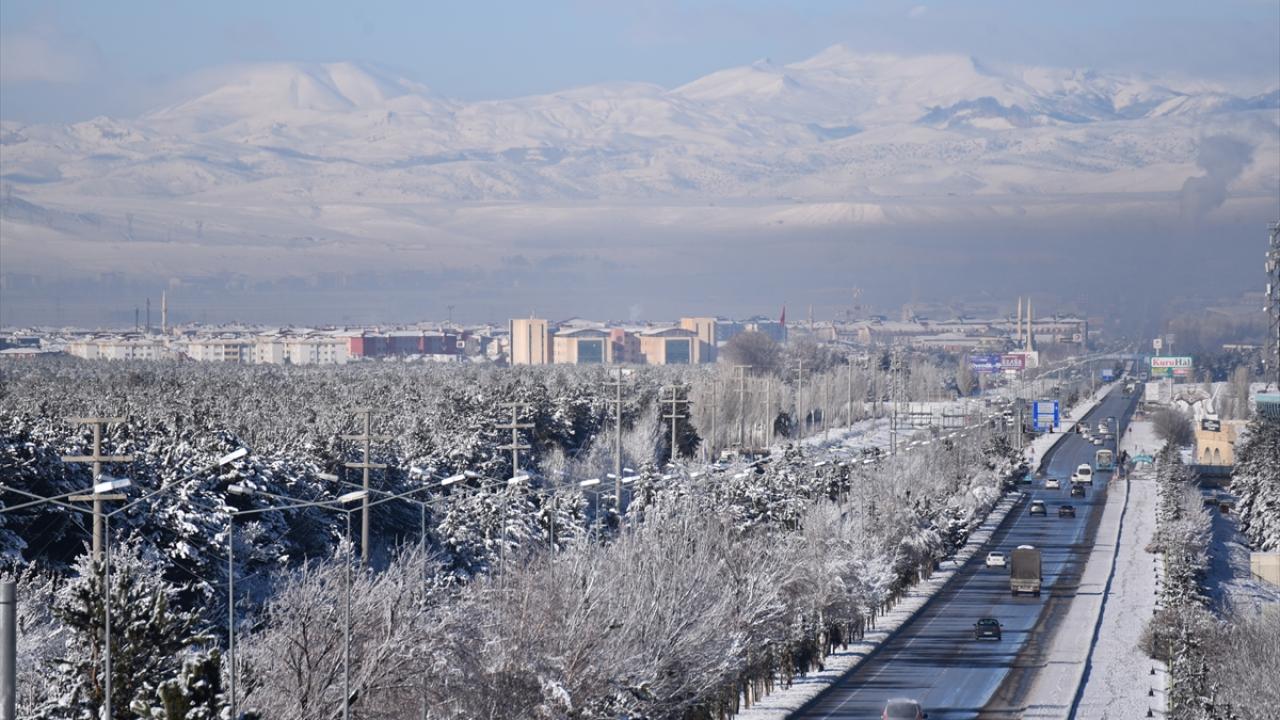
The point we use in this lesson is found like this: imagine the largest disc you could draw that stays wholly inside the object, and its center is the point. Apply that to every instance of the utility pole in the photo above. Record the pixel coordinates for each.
(715, 418)
(97, 458)
(799, 392)
(617, 439)
(826, 407)
(1273, 298)
(895, 367)
(741, 372)
(365, 466)
(674, 416)
(768, 412)
(515, 426)
(848, 412)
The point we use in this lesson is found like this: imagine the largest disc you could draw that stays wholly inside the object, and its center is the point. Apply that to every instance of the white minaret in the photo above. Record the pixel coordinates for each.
(1018, 333)
(164, 313)
(1031, 333)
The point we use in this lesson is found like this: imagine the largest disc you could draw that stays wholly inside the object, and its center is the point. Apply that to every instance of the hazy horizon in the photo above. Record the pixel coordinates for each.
(266, 164)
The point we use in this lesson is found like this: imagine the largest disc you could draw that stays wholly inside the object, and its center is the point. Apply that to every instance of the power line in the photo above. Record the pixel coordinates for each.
(97, 459)
(515, 426)
(674, 401)
(365, 466)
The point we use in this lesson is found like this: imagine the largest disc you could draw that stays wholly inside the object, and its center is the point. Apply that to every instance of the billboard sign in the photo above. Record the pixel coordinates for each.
(1211, 425)
(1045, 415)
(984, 363)
(1171, 366)
(1013, 361)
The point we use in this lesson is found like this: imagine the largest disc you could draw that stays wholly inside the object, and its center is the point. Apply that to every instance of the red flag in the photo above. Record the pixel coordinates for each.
(783, 319)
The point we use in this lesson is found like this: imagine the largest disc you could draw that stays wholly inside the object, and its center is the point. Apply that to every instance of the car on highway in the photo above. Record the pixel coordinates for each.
(1052, 483)
(1066, 511)
(1077, 490)
(1097, 440)
(1083, 474)
(903, 709)
(1102, 428)
(996, 558)
(988, 628)
(1038, 508)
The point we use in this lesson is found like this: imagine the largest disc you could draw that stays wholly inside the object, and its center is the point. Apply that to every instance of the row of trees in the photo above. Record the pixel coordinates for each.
(1219, 668)
(1256, 482)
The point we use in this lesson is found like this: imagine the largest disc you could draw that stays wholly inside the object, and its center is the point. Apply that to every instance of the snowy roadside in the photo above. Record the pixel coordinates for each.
(1117, 596)
(781, 703)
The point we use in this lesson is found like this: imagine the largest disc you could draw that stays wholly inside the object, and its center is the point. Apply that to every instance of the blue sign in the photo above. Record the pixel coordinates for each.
(1143, 459)
(984, 363)
(1044, 415)
(1108, 375)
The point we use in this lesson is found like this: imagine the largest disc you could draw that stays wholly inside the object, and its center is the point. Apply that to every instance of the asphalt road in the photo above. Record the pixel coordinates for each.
(934, 658)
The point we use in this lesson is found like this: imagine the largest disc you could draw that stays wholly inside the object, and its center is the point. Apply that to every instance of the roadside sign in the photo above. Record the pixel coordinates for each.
(1168, 366)
(1211, 425)
(1108, 374)
(1013, 361)
(1045, 416)
(984, 363)
(1158, 344)
(1143, 459)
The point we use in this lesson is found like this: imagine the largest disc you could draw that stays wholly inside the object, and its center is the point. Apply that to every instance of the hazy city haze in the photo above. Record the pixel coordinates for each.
(295, 163)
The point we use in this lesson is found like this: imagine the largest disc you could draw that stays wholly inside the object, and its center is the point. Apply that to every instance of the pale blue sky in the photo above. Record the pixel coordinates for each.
(72, 60)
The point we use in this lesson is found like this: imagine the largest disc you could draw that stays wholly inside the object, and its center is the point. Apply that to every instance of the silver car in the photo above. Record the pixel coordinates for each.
(901, 709)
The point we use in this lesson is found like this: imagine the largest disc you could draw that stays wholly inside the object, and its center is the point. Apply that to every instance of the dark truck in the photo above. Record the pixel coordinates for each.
(1024, 571)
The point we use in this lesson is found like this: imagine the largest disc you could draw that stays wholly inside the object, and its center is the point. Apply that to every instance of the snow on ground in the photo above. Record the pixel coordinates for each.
(1119, 582)
(781, 703)
(1230, 583)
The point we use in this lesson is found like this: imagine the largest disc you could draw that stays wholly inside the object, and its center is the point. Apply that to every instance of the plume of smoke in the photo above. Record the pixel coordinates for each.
(1222, 158)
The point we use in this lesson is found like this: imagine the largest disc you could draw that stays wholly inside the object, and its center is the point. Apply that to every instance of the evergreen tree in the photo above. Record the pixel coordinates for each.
(149, 634)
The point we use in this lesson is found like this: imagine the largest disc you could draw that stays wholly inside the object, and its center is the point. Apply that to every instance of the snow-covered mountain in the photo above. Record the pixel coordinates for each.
(347, 151)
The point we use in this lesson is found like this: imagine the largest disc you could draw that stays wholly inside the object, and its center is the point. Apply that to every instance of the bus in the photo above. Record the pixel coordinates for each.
(1104, 461)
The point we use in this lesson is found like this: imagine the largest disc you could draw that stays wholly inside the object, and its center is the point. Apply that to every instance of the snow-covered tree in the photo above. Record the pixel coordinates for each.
(150, 634)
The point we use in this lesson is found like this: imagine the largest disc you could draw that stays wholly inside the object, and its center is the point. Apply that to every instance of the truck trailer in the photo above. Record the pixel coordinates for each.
(1024, 571)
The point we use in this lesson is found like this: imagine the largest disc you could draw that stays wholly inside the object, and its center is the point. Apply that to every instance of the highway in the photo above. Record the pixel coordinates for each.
(934, 658)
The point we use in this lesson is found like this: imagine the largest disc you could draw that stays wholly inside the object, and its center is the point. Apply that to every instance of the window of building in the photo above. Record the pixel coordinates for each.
(679, 352)
(590, 352)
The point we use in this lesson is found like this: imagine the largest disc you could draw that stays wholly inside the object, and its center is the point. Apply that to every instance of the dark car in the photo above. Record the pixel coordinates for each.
(988, 628)
(903, 710)
(1077, 490)
(1038, 508)
(1066, 511)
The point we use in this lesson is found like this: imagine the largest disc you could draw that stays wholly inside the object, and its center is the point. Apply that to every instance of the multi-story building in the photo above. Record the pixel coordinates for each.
(531, 342)
(315, 350)
(670, 346)
(583, 346)
(123, 347)
(221, 348)
(390, 343)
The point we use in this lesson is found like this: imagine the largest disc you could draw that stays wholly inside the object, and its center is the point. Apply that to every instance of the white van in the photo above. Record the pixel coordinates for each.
(1083, 474)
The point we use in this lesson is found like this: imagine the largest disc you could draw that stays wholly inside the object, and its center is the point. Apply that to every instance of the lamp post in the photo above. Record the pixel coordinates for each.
(101, 489)
(333, 504)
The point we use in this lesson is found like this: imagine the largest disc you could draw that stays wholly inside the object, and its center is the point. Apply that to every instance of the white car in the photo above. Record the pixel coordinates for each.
(1052, 483)
(1083, 474)
(1102, 427)
(997, 559)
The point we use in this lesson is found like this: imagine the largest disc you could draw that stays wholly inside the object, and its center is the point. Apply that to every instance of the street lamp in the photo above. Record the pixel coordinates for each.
(344, 499)
(104, 487)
